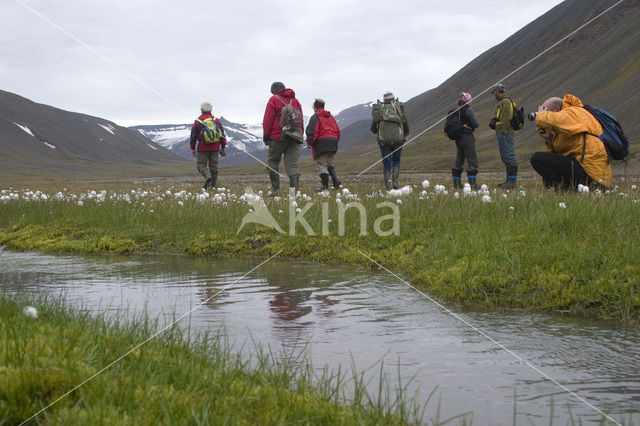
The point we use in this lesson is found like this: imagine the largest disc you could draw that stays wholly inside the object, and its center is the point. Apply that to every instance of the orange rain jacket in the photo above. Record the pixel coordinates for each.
(570, 126)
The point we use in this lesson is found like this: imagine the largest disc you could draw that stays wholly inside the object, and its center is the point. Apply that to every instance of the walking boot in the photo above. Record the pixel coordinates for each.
(395, 176)
(274, 177)
(456, 174)
(324, 179)
(207, 182)
(512, 176)
(334, 177)
(293, 184)
(214, 179)
(387, 182)
(471, 177)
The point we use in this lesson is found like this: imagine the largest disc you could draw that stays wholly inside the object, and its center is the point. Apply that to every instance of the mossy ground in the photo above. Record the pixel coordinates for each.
(529, 248)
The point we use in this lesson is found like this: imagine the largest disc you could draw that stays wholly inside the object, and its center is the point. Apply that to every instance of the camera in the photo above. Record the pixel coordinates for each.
(532, 116)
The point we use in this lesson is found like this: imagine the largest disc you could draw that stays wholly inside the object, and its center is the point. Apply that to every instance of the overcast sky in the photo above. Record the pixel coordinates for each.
(154, 62)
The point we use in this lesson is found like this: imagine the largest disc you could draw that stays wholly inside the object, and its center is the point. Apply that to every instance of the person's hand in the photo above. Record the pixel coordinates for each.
(266, 139)
(223, 152)
(193, 152)
(545, 134)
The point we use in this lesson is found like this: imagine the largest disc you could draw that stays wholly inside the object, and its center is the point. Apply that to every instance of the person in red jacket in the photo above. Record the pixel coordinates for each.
(207, 153)
(278, 146)
(323, 135)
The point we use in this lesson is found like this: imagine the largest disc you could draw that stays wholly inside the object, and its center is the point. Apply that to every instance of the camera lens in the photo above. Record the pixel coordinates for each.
(532, 116)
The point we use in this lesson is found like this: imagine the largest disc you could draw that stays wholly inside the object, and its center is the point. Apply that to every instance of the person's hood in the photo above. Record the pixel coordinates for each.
(570, 100)
(323, 113)
(287, 93)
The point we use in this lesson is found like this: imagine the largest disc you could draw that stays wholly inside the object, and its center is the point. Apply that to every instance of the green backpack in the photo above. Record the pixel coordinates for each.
(211, 132)
(390, 118)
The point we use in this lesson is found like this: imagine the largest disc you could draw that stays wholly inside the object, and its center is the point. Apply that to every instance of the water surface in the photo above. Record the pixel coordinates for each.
(346, 313)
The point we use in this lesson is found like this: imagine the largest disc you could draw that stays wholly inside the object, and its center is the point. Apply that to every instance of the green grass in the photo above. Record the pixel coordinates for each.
(522, 251)
(168, 380)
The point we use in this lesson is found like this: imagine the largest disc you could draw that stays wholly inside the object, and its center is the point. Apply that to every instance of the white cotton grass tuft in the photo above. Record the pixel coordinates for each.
(425, 184)
(583, 189)
(30, 312)
(486, 199)
(562, 205)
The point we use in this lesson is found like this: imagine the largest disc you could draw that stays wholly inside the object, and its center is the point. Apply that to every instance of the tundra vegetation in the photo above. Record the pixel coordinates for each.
(529, 248)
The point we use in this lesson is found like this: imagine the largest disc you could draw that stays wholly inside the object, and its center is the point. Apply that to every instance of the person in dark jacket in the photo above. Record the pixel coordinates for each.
(466, 144)
(390, 152)
(207, 154)
(272, 137)
(323, 135)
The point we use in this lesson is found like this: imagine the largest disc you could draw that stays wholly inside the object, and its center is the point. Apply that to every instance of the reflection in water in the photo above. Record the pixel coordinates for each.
(347, 313)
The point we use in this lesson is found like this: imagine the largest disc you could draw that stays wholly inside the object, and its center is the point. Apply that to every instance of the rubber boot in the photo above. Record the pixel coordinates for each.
(334, 177)
(274, 177)
(471, 177)
(324, 179)
(293, 184)
(395, 176)
(214, 179)
(387, 182)
(456, 174)
(512, 176)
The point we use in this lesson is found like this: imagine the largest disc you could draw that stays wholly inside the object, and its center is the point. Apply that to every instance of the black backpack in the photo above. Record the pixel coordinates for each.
(453, 127)
(517, 121)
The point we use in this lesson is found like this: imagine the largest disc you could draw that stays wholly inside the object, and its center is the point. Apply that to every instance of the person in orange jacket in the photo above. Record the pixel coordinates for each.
(574, 153)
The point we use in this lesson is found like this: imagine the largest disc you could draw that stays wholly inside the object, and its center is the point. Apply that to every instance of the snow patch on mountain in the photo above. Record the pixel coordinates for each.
(25, 129)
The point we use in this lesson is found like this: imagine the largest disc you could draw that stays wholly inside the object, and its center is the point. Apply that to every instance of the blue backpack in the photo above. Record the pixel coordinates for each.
(612, 136)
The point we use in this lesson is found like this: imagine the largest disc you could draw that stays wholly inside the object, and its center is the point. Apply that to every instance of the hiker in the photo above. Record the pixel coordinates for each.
(280, 144)
(501, 123)
(466, 144)
(574, 154)
(207, 142)
(323, 135)
(391, 126)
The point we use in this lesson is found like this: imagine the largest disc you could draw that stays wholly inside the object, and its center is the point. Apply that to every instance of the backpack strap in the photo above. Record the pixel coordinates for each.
(282, 100)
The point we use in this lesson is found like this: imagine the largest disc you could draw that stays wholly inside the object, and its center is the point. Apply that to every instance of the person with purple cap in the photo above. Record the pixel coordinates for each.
(466, 144)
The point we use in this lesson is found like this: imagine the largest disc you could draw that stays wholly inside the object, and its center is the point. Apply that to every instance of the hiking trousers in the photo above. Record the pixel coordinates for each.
(559, 171)
(507, 150)
(390, 156)
(466, 149)
(291, 152)
(207, 163)
(323, 161)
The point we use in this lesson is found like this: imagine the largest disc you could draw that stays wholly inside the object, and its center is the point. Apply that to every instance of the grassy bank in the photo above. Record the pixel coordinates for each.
(528, 249)
(168, 380)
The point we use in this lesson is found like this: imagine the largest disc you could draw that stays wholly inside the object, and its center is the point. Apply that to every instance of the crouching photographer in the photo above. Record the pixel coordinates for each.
(574, 154)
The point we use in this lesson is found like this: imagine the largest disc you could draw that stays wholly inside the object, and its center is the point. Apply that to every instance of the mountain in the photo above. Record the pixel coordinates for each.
(600, 64)
(40, 140)
(353, 114)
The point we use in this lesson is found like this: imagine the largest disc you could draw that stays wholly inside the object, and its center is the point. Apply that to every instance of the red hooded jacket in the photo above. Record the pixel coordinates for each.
(196, 136)
(271, 120)
(323, 133)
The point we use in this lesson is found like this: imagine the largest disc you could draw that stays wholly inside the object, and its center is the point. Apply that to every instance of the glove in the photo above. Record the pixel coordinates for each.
(223, 152)
(266, 139)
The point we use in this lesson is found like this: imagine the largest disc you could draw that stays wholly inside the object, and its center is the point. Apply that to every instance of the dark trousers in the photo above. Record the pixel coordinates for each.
(390, 156)
(466, 149)
(559, 171)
